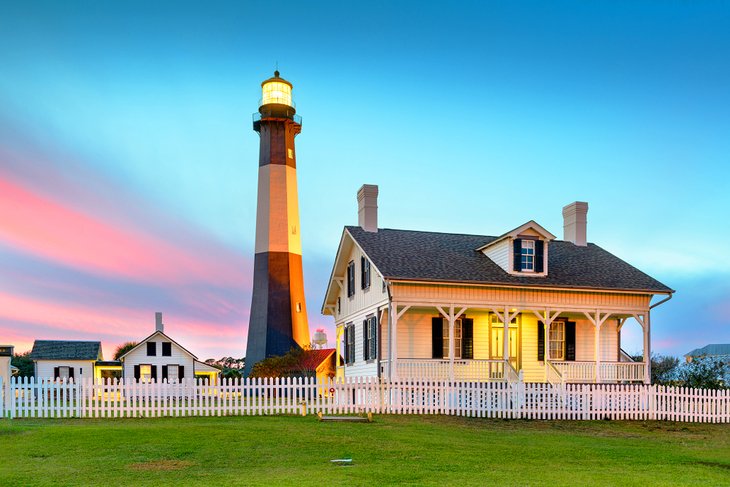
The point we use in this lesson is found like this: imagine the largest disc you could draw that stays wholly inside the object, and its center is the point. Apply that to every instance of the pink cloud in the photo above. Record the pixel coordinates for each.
(41, 226)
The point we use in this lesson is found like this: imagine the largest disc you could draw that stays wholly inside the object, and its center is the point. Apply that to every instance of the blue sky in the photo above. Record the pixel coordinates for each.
(128, 126)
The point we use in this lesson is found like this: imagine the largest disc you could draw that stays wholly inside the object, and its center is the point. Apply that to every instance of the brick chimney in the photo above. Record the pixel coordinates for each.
(574, 223)
(158, 322)
(367, 207)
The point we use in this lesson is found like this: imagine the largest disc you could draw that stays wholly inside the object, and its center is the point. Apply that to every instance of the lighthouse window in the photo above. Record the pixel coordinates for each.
(290, 153)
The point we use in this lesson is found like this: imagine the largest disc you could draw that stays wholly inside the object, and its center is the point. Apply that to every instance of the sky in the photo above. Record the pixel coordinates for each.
(128, 162)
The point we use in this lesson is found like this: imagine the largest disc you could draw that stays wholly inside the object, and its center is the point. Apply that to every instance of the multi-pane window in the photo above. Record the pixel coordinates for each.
(351, 279)
(371, 331)
(528, 255)
(166, 349)
(151, 349)
(364, 273)
(63, 373)
(557, 341)
(457, 339)
(145, 373)
(349, 343)
(172, 373)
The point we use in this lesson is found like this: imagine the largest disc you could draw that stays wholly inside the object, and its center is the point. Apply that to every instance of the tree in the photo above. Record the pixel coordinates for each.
(663, 368)
(23, 362)
(123, 348)
(231, 368)
(703, 372)
(292, 364)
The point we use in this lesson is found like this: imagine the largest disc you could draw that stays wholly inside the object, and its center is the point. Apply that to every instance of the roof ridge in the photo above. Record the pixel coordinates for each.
(428, 231)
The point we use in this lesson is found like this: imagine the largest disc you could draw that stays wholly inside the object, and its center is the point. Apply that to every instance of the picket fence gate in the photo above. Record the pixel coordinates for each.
(30, 398)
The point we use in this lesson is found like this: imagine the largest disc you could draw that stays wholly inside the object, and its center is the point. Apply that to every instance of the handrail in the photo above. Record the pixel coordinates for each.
(510, 373)
(552, 374)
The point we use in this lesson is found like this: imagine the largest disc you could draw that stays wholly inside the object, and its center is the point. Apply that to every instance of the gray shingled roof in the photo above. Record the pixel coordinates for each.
(65, 350)
(714, 349)
(431, 256)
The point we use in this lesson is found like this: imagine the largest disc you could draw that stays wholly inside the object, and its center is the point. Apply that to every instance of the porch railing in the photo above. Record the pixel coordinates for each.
(476, 370)
(608, 371)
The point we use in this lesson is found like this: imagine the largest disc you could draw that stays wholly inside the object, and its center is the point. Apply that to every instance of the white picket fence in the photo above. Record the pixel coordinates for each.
(120, 399)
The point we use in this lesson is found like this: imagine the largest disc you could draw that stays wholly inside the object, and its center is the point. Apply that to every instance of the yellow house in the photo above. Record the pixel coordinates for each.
(522, 305)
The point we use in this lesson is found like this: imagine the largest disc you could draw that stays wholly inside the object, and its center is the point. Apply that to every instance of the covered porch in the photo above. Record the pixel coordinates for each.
(470, 342)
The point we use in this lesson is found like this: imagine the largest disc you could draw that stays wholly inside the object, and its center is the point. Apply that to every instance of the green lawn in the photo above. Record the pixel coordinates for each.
(416, 450)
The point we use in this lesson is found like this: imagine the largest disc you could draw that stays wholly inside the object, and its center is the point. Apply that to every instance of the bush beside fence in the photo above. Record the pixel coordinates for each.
(28, 398)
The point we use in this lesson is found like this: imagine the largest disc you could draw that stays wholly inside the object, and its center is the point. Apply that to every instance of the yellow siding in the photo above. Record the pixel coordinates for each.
(533, 370)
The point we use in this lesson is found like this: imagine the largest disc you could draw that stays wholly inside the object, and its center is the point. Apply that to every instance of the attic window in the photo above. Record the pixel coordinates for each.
(527, 261)
(529, 255)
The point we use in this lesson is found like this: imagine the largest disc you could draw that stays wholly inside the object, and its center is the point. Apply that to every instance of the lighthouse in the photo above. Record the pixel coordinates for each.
(278, 319)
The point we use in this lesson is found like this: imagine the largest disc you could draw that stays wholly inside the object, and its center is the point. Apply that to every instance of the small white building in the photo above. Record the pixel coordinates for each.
(159, 357)
(65, 359)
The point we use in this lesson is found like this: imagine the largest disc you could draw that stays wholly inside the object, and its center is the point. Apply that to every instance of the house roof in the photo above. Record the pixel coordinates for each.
(65, 350)
(714, 349)
(311, 359)
(450, 257)
(163, 335)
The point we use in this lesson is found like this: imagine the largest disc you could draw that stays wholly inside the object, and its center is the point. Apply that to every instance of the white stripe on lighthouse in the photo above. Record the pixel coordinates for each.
(277, 218)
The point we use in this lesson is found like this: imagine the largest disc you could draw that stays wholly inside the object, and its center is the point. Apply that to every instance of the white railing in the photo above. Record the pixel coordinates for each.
(622, 371)
(440, 369)
(552, 374)
(53, 399)
(608, 371)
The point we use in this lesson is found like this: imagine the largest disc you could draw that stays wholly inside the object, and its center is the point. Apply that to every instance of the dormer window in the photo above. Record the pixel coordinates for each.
(529, 256)
(527, 260)
(522, 251)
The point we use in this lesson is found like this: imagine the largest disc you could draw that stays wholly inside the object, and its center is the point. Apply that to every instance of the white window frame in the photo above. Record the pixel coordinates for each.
(170, 368)
(527, 255)
(64, 372)
(556, 341)
(145, 372)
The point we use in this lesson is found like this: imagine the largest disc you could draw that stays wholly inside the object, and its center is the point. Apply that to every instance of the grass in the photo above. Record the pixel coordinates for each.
(415, 450)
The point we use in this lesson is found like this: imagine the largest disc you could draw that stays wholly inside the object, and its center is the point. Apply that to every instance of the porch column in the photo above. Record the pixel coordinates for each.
(395, 315)
(598, 354)
(505, 341)
(598, 320)
(547, 317)
(392, 341)
(452, 347)
(451, 316)
(647, 349)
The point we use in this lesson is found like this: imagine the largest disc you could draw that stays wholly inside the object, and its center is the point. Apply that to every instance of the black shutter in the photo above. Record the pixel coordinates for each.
(180, 372)
(540, 341)
(164, 372)
(467, 338)
(136, 373)
(374, 335)
(154, 373)
(347, 345)
(570, 340)
(365, 340)
(539, 256)
(71, 372)
(56, 374)
(517, 257)
(362, 272)
(437, 337)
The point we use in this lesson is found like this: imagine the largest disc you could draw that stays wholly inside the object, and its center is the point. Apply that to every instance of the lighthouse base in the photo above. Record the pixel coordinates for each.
(278, 319)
